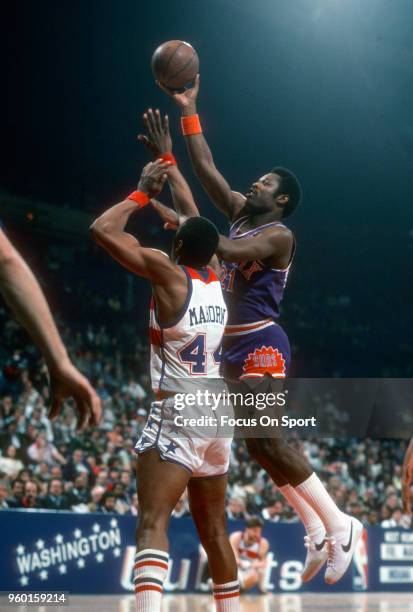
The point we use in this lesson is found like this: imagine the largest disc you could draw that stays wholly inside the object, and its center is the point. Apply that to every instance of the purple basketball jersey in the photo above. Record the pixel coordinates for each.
(253, 291)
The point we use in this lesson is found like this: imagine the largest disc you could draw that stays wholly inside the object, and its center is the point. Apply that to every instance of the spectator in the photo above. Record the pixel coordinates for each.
(9, 464)
(42, 450)
(108, 503)
(3, 495)
(96, 498)
(236, 509)
(79, 494)
(75, 465)
(17, 491)
(55, 499)
(30, 497)
(273, 512)
(135, 390)
(397, 520)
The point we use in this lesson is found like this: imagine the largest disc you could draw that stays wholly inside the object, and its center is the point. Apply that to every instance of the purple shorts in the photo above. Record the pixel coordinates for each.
(255, 350)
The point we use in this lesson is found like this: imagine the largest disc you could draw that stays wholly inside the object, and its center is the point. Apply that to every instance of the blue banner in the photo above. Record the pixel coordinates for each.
(94, 553)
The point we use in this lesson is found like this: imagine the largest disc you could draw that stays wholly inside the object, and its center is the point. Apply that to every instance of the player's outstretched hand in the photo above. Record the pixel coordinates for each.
(67, 382)
(183, 99)
(153, 177)
(407, 482)
(158, 138)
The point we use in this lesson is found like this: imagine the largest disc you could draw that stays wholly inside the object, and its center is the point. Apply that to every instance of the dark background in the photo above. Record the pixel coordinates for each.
(321, 86)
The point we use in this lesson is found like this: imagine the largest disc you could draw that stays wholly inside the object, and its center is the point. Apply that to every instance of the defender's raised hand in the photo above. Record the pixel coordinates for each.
(158, 139)
(185, 100)
(153, 177)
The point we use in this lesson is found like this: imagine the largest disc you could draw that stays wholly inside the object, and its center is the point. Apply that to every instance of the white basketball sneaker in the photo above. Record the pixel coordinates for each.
(341, 550)
(317, 555)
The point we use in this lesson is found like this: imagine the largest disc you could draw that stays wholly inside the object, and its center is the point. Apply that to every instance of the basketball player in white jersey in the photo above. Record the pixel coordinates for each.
(250, 550)
(187, 320)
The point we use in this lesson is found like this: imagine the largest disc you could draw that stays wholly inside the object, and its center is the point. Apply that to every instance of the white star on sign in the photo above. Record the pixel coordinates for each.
(113, 523)
(43, 575)
(62, 569)
(116, 552)
(81, 563)
(24, 580)
(99, 557)
(59, 538)
(40, 544)
(96, 528)
(77, 533)
(20, 549)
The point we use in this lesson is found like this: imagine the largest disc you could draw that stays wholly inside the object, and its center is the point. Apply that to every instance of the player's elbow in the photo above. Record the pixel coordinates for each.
(9, 261)
(99, 229)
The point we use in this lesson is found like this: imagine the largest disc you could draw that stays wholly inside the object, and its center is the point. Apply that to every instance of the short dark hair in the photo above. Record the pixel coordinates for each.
(54, 479)
(199, 241)
(289, 185)
(254, 521)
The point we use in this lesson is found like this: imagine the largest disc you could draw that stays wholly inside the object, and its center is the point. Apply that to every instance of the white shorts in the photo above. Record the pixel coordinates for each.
(200, 450)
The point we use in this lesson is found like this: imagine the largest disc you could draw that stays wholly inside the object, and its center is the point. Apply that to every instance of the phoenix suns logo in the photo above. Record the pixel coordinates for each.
(266, 360)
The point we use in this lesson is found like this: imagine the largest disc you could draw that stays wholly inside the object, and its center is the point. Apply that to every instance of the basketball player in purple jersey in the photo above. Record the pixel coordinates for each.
(256, 258)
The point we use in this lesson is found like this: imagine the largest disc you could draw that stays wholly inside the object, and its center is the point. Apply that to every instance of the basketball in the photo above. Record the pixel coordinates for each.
(175, 63)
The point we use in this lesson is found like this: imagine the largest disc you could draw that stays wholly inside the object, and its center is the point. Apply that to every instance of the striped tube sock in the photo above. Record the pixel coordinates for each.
(151, 568)
(227, 597)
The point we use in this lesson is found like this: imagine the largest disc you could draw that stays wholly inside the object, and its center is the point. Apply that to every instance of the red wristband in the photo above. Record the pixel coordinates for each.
(140, 197)
(168, 157)
(191, 125)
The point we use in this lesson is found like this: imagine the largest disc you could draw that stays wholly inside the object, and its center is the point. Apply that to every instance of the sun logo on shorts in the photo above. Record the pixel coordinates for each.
(265, 360)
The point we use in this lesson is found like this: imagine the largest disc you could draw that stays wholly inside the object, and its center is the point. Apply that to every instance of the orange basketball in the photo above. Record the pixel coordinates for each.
(175, 63)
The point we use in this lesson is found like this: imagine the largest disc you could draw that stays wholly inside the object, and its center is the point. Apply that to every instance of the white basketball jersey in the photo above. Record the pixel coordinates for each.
(191, 346)
(249, 552)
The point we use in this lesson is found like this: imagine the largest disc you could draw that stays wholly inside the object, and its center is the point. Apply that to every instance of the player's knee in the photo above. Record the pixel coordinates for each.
(266, 448)
(152, 522)
(211, 530)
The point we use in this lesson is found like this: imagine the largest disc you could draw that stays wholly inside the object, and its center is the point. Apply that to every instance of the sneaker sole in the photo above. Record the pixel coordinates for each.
(314, 569)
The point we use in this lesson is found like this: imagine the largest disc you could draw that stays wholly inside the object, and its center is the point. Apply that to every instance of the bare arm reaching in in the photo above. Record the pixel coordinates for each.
(24, 296)
(407, 479)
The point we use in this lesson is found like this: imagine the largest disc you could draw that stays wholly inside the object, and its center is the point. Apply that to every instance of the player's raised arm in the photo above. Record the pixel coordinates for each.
(228, 201)
(109, 230)
(23, 294)
(158, 140)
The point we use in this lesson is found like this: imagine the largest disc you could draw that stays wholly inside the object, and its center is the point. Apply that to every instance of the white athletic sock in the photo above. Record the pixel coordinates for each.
(315, 493)
(310, 519)
(227, 597)
(151, 568)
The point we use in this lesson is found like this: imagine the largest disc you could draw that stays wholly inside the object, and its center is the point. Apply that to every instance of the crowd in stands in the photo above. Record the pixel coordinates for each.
(49, 465)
